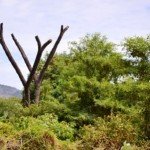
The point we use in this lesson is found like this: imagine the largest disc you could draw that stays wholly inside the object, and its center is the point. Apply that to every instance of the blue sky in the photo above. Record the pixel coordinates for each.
(26, 18)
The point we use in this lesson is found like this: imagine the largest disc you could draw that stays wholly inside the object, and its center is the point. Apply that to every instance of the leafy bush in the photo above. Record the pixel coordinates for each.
(110, 132)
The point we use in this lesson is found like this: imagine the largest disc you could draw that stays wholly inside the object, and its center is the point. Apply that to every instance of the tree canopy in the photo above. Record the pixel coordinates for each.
(95, 96)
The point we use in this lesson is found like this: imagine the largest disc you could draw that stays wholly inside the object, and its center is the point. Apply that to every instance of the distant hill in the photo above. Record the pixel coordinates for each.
(8, 91)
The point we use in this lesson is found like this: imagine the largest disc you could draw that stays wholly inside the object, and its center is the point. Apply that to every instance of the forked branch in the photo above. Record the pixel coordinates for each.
(50, 56)
(41, 48)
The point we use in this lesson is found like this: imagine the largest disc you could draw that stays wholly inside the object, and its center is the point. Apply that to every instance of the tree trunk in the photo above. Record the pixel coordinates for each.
(26, 97)
(37, 92)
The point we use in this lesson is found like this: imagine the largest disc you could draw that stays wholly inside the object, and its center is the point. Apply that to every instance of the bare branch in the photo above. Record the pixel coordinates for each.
(1, 31)
(9, 56)
(38, 42)
(46, 44)
(26, 60)
(37, 59)
(50, 56)
(63, 29)
(1, 27)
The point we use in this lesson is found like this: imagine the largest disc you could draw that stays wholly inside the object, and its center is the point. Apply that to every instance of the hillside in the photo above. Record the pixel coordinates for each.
(7, 92)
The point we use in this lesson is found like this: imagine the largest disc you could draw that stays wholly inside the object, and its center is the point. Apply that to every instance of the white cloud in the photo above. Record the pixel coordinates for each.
(8, 2)
(25, 19)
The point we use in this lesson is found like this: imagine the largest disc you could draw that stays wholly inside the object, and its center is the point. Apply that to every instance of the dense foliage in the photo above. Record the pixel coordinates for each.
(95, 97)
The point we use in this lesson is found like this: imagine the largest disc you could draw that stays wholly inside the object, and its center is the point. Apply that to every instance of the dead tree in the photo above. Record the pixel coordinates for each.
(34, 76)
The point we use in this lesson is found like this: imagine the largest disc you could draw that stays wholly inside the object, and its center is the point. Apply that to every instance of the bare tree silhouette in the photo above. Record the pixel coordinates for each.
(33, 75)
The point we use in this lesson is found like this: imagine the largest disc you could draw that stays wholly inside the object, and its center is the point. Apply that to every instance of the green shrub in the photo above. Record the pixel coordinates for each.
(10, 108)
(109, 132)
(6, 129)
